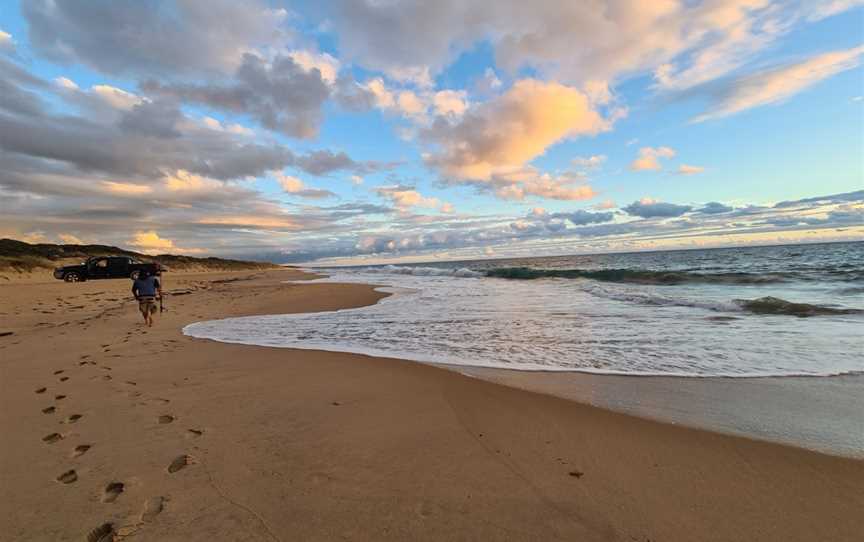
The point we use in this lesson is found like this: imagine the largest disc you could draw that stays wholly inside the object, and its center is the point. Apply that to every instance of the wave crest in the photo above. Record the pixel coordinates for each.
(775, 305)
(634, 276)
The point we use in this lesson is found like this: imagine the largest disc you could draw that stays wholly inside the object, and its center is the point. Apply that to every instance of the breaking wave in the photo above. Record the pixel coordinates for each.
(775, 305)
(635, 276)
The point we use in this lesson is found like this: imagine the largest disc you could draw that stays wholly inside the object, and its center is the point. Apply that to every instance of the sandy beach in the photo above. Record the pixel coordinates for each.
(168, 438)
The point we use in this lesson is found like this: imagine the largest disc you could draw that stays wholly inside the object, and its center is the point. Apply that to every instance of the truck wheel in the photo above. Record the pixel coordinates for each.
(134, 275)
(72, 277)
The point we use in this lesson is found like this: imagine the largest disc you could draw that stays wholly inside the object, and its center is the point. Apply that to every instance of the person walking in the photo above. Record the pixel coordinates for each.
(146, 288)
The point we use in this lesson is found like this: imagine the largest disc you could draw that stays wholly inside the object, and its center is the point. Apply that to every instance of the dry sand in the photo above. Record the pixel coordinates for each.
(170, 438)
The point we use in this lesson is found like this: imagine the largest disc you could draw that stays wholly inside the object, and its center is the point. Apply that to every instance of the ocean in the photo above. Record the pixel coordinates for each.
(764, 342)
(732, 312)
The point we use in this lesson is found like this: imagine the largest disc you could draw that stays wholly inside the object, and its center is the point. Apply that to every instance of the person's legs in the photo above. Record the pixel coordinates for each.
(142, 306)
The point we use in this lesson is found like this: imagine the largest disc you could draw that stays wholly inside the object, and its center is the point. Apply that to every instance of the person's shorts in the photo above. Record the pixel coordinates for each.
(147, 305)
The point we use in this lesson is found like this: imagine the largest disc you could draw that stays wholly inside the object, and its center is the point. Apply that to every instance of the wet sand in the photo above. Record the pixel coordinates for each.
(156, 436)
(819, 413)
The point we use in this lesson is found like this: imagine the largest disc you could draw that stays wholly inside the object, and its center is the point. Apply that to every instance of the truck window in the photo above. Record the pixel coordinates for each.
(101, 263)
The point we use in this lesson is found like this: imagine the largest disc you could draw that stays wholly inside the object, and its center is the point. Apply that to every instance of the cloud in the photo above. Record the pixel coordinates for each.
(715, 207)
(326, 65)
(487, 83)
(777, 84)
(149, 242)
(684, 169)
(6, 41)
(404, 198)
(279, 94)
(649, 208)
(581, 217)
(506, 132)
(69, 239)
(683, 43)
(416, 105)
(606, 204)
(845, 197)
(126, 188)
(294, 186)
(649, 158)
(155, 38)
(324, 162)
(450, 102)
(528, 182)
(589, 162)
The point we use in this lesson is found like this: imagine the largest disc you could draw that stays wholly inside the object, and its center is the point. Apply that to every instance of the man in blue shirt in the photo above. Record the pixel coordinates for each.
(145, 289)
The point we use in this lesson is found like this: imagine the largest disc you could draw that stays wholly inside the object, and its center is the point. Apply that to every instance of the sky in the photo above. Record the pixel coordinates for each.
(370, 131)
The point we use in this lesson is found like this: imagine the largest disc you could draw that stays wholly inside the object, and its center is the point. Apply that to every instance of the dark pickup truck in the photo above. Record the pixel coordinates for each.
(106, 267)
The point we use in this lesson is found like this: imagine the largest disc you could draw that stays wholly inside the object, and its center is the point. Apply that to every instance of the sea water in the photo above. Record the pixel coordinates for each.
(736, 312)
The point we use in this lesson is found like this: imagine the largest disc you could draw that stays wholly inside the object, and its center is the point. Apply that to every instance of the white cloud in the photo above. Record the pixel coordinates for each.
(115, 97)
(450, 102)
(66, 83)
(488, 83)
(649, 158)
(6, 41)
(237, 129)
(356, 180)
(777, 84)
(590, 162)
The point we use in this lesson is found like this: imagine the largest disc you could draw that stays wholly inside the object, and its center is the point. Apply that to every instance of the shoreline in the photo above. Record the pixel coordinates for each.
(322, 445)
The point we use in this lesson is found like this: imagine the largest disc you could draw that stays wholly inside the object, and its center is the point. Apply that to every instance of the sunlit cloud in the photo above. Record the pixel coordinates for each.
(150, 242)
(505, 133)
(294, 186)
(69, 239)
(649, 158)
(685, 169)
(404, 198)
(126, 188)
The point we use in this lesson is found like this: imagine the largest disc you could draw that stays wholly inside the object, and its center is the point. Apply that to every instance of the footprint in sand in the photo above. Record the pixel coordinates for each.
(52, 438)
(152, 508)
(41, 390)
(73, 418)
(102, 533)
(68, 477)
(48, 410)
(194, 432)
(59, 397)
(180, 462)
(64, 378)
(61, 371)
(112, 491)
(166, 418)
(80, 450)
